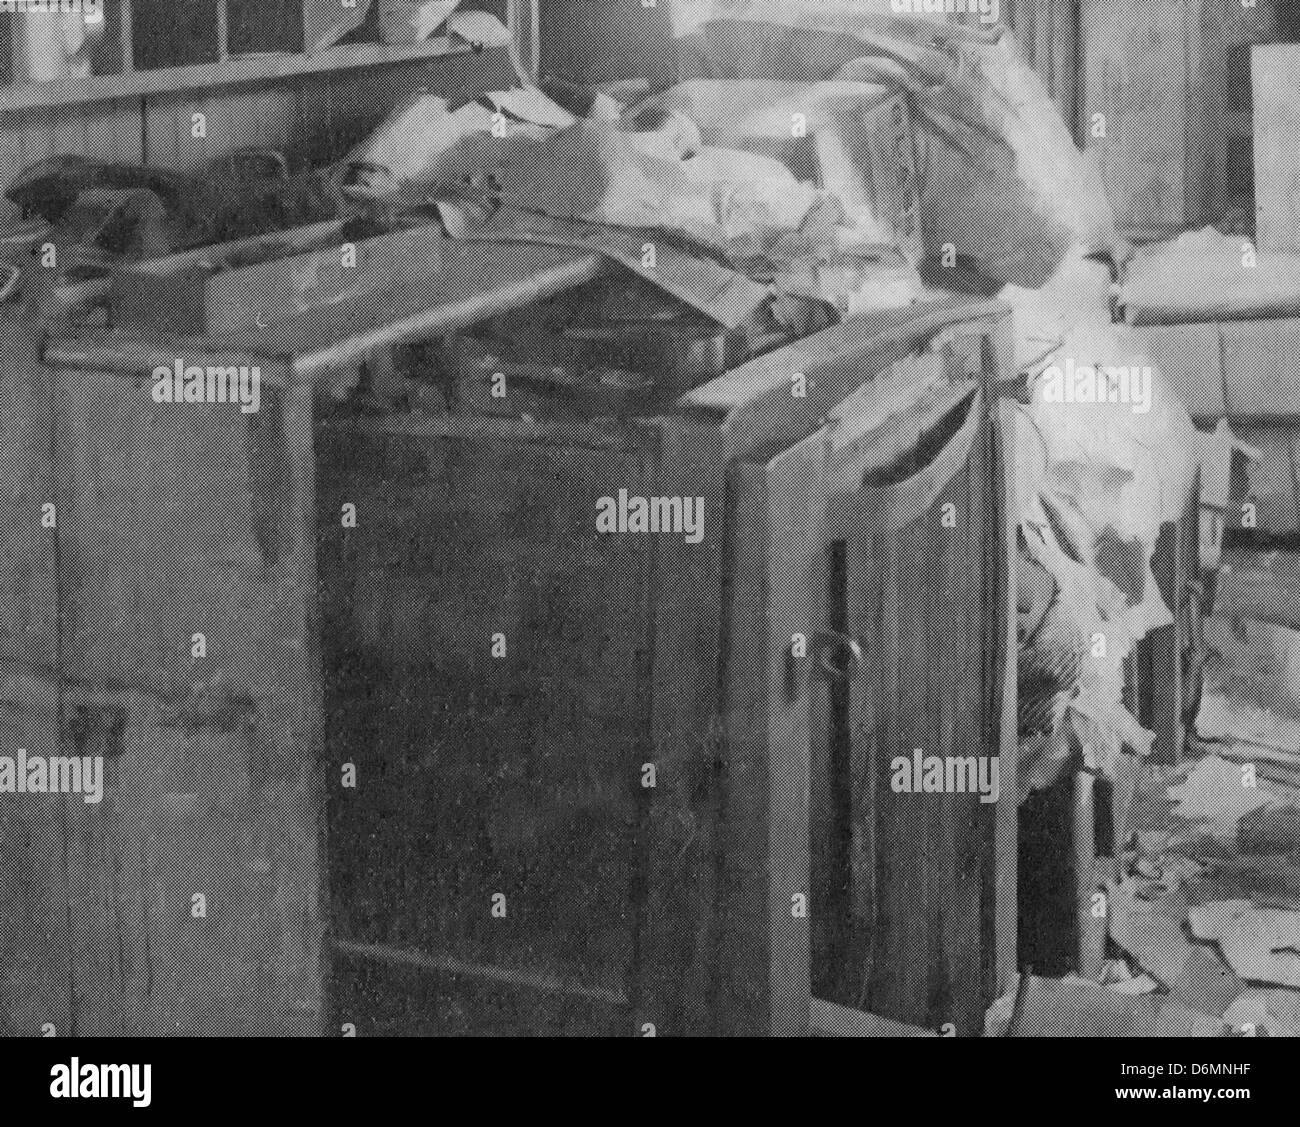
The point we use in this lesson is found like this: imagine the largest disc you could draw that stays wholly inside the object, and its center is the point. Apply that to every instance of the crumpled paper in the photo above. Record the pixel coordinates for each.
(1260, 944)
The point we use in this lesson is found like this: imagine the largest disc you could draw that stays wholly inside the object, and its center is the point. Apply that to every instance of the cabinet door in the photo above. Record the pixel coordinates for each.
(869, 622)
(488, 676)
(904, 730)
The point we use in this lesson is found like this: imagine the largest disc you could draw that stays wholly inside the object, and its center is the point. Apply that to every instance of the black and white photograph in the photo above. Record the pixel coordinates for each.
(650, 518)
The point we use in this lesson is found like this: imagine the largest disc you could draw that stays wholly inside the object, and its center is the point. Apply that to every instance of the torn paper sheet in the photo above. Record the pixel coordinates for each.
(1148, 926)
(1076, 1007)
(1260, 1012)
(1218, 793)
(1260, 944)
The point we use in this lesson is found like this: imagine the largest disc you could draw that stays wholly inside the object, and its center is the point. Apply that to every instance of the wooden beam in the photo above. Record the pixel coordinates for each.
(1006, 850)
(231, 72)
(446, 965)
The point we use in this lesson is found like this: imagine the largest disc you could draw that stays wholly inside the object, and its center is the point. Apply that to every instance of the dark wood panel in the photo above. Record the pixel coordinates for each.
(173, 33)
(478, 775)
(687, 725)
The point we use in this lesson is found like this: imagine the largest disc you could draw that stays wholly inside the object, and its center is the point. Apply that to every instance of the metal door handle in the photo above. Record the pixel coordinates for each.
(839, 657)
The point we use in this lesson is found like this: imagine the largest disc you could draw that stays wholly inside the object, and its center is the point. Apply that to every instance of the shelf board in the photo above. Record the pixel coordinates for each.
(232, 72)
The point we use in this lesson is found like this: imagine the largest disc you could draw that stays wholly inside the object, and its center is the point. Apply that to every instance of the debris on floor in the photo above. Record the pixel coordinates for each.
(1203, 924)
(1262, 944)
(1214, 796)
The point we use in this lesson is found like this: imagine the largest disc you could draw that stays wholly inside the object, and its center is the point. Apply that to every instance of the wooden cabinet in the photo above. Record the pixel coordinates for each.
(547, 778)
(770, 859)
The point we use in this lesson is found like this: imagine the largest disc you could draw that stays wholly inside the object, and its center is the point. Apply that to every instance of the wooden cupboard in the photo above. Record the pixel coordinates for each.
(599, 788)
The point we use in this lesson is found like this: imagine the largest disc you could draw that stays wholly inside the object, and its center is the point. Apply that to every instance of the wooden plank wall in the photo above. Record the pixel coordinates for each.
(1157, 70)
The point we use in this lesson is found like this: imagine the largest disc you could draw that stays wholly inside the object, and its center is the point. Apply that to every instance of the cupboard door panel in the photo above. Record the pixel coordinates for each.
(918, 589)
(488, 675)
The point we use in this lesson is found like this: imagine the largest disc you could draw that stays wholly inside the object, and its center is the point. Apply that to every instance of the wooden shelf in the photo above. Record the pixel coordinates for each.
(231, 72)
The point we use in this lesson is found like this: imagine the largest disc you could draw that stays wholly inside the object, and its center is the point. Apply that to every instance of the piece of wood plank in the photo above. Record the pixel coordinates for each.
(471, 282)
(231, 72)
(1276, 82)
(830, 1019)
(1190, 358)
(1190, 288)
(1007, 814)
(28, 595)
(765, 980)
(680, 811)
(296, 790)
(187, 294)
(763, 411)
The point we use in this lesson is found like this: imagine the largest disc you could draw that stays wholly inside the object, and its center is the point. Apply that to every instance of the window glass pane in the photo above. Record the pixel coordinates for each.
(174, 33)
(264, 25)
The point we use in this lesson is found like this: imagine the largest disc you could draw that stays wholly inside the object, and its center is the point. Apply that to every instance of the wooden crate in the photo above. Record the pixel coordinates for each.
(304, 269)
(520, 774)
